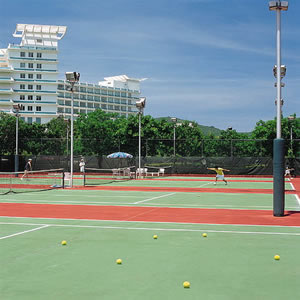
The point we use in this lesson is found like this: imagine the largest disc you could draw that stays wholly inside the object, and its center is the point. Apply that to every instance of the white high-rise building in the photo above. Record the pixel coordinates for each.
(29, 77)
(29, 72)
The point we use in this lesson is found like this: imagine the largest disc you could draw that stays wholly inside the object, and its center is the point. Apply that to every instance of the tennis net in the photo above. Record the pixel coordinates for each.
(93, 176)
(17, 182)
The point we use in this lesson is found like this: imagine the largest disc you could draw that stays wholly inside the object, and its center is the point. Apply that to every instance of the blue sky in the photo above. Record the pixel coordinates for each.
(209, 61)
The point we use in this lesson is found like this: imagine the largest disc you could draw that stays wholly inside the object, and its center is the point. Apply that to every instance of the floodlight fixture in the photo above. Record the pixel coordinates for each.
(16, 107)
(72, 76)
(282, 71)
(281, 5)
(140, 104)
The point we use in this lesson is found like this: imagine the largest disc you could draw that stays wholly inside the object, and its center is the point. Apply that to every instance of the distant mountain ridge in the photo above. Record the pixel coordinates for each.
(205, 129)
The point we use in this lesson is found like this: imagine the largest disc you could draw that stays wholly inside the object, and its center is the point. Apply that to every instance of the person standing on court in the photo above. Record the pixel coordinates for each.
(220, 173)
(28, 168)
(81, 165)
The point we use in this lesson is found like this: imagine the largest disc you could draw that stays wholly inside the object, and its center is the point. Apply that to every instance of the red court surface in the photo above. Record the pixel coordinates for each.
(149, 214)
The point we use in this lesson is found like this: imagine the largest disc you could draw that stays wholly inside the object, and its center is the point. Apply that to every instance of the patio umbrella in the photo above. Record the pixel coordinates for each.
(119, 155)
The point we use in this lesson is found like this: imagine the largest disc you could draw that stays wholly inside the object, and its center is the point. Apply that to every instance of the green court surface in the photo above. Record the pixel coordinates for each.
(232, 262)
(161, 199)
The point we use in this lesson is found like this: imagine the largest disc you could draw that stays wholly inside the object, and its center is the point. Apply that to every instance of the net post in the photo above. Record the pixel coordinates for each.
(63, 179)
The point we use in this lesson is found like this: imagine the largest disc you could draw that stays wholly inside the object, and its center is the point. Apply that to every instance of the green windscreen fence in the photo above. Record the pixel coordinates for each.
(176, 165)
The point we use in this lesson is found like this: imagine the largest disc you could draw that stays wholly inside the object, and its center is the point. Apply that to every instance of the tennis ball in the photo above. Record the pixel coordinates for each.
(186, 285)
(276, 257)
(119, 261)
(64, 243)
(155, 236)
(204, 234)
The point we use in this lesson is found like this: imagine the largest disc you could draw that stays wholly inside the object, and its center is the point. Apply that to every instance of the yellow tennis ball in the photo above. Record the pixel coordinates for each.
(277, 257)
(155, 236)
(186, 285)
(119, 261)
(64, 243)
(204, 234)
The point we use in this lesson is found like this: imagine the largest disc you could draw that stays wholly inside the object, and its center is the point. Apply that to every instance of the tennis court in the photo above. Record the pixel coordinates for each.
(102, 223)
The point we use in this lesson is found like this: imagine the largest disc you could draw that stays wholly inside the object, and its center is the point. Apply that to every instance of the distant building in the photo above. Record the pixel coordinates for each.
(29, 77)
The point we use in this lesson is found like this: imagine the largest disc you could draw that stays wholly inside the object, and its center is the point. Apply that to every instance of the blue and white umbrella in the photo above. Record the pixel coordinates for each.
(119, 155)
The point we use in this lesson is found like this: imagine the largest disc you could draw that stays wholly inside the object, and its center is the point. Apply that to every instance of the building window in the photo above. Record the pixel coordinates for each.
(38, 66)
(38, 120)
(38, 108)
(38, 98)
(29, 120)
(22, 75)
(30, 86)
(38, 87)
(22, 86)
(111, 107)
(30, 76)
(30, 54)
(22, 107)
(22, 97)
(39, 55)
(22, 65)
(82, 97)
(104, 106)
(90, 105)
(30, 97)
(29, 108)
(39, 41)
(38, 76)
(60, 87)
(22, 54)
(30, 65)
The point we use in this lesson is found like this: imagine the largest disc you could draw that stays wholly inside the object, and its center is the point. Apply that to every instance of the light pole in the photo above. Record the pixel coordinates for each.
(174, 120)
(291, 119)
(278, 144)
(231, 149)
(140, 104)
(16, 110)
(72, 78)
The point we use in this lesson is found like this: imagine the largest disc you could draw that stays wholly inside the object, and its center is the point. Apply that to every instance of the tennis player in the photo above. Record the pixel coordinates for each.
(288, 172)
(81, 166)
(28, 167)
(220, 173)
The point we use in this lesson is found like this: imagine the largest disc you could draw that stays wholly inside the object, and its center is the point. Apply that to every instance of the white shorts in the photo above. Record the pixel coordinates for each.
(220, 177)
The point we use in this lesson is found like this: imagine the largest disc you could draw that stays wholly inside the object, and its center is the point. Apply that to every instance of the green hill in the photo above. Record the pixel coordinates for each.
(205, 129)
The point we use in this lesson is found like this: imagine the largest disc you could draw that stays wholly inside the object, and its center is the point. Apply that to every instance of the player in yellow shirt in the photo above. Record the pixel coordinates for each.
(220, 173)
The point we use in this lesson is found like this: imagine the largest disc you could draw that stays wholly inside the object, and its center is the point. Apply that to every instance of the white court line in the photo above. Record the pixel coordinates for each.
(293, 188)
(154, 198)
(204, 184)
(153, 229)
(298, 199)
(143, 222)
(23, 232)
